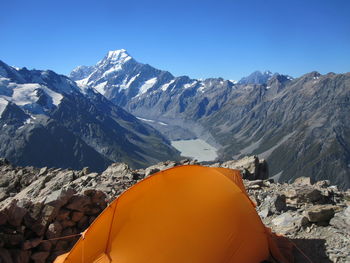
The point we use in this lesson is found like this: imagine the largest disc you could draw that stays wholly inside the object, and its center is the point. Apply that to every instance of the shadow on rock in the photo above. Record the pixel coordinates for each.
(312, 248)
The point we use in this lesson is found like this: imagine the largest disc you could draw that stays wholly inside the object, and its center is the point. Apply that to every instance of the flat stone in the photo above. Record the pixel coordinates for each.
(320, 213)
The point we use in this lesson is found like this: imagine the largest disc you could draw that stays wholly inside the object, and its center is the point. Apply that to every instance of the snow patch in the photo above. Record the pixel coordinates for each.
(113, 69)
(27, 94)
(125, 85)
(152, 121)
(166, 85)
(3, 105)
(147, 85)
(142, 119)
(101, 87)
(202, 88)
(117, 55)
(189, 85)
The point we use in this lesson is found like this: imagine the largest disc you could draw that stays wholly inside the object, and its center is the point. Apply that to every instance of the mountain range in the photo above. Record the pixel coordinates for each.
(124, 110)
(300, 125)
(47, 120)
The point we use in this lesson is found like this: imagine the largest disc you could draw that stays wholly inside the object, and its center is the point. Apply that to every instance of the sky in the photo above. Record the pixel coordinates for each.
(198, 38)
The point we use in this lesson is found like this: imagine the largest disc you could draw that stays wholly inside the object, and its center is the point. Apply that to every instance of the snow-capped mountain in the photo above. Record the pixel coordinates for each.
(298, 125)
(46, 120)
(147, 92)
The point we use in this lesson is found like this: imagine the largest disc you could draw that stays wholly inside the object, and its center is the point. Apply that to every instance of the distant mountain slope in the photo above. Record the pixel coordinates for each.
(300, 125)
(47, 120)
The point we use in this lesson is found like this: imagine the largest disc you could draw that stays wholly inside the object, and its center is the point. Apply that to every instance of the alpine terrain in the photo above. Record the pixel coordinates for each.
(299, 125)
(47, 120)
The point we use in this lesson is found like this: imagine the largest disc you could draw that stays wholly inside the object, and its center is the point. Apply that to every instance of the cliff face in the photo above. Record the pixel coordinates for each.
(40, 206)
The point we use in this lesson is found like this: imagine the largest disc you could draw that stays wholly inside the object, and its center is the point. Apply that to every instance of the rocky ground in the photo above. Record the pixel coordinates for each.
(37, 206)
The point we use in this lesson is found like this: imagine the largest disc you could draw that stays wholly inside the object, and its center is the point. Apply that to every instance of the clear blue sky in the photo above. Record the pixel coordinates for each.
(221, 38)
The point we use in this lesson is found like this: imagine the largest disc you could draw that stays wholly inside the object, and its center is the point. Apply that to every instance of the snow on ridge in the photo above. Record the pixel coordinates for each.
(142, 119)
(152, 121)
(189, 85)
(115, 68)
(56, 97)
(166, 85)
(101, 87)
(3, 104)
(147, 85)
(27, 94)
(117, 54)
(202, 88)
(126, 85)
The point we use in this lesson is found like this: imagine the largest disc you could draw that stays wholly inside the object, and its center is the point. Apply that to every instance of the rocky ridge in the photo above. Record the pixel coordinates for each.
(39, 205)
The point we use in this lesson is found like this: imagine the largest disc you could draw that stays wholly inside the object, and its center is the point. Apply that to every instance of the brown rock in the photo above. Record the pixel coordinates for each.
(67, 223)
(78, 203)
(63, 214)
(5, 256)
(54, 230)
(28, 244)
(62, 245)
(83, 223)
(76, 216)
(45, 246)
(3, 218)
(320, 213)
(40, 257)
(15, 214)
(20, 256)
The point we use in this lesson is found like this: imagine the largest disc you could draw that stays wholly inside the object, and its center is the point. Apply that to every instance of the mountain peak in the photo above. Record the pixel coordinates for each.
(118, 55)
(257, 77)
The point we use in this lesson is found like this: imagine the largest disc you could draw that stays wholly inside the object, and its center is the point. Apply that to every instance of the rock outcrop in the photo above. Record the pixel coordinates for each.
(43, 211)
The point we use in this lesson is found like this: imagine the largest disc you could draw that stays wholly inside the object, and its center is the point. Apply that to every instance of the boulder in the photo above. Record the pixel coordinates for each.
(320, 213)
(40, 257)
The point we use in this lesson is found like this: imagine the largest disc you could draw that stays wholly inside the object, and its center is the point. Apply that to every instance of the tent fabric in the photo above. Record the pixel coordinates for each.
(186, 214)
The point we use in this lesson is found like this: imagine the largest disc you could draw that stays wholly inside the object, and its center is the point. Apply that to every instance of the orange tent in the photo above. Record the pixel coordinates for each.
(186, 214)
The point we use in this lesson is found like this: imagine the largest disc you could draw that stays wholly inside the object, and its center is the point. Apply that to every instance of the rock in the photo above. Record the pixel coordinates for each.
(59, 197)
(118, 170)
(55, 202)
(303, 181)
(54, 230)
(3, 194)
(3, 218)
(5, 256)
(43, 171)
(341, 220)
(78, 203)
(286, 223)
(77, 216)
(323, 183)
(28, 244)
(304, 195)
(279, 203)
(265, 212)
(15, 214)
(150, 171)
(20, 256)
(251, 184)
(320, 213)
(4, 161)
(40, 257)
(85, 171)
